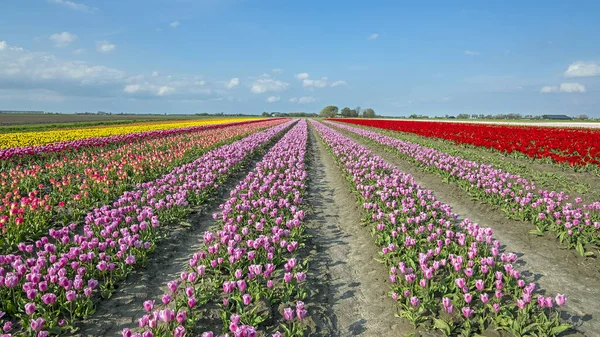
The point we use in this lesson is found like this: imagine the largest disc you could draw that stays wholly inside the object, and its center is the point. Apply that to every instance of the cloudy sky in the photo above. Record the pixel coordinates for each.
(249, 56)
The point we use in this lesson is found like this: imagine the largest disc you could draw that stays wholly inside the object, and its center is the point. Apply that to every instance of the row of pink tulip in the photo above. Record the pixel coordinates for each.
(575, 224)
(49, 283)
(248, 264)
(444, 273)
(40, 195)
(73, 145)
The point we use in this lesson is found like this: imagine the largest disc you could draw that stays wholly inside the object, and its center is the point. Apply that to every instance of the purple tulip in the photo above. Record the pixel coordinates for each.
(29, 308)
(179, 331)
(247, 299)
(288, 314)
(560, 300)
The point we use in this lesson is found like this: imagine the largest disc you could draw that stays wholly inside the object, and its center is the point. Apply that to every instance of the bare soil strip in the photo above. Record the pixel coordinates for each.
(349, 288)
(555, 270)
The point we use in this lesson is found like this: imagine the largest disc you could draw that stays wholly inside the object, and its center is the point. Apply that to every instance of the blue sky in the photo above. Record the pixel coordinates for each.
(398, 57)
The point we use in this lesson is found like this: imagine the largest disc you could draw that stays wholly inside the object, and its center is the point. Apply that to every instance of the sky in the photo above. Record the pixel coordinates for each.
(397, 57)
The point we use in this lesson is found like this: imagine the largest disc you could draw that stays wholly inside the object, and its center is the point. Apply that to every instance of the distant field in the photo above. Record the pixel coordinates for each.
(549, 123)
(50, 134)
(29, 123)
(20, 119)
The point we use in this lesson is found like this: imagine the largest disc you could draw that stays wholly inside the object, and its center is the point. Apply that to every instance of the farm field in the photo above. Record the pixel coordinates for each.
(36, 138)
(300, 227)
(13, 119)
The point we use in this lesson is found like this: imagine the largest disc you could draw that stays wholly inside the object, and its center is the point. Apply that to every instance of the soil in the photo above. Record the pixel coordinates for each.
(349, 288)
(541, 259)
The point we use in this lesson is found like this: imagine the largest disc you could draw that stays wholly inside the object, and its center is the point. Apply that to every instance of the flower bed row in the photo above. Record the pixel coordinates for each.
(39, 196)
(572, 146)
(576, 225)
(248, 264)
(52, 280)
(73, 145)
(444, 274)
(49, 136)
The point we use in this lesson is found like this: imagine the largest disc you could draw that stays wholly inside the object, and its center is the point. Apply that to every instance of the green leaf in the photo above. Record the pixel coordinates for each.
(589, 254)
(558, 329)
(580, 249)
(442, 325)
(536, 232)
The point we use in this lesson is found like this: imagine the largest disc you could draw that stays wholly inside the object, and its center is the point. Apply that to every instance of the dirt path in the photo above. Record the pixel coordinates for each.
(349, 289)
(555, 270)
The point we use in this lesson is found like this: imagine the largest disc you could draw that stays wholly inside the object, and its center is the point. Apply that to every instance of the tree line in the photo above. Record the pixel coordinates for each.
(332, 111)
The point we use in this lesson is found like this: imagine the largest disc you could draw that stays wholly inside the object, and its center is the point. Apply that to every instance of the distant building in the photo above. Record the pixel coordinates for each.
(557, 117)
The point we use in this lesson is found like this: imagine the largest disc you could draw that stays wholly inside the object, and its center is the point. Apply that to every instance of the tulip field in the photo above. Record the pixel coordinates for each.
(300, 227)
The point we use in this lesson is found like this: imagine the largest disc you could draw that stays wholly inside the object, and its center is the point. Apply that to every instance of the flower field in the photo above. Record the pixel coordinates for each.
(27, 139)
(291, 227)
(572, 146)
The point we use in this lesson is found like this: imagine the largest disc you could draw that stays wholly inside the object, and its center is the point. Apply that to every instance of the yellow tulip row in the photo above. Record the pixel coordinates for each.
(21, 139)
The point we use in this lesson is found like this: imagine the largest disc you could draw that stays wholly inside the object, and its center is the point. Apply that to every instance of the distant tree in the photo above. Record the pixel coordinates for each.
(463, 116)
(413, 116)
(369, 113)
(353, 113)
(329, 111)
(266, 114)
(346, 112)
(358, 111)
(583, 117)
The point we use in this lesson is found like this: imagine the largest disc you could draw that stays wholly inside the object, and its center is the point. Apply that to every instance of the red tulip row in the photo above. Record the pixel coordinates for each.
(572, 146)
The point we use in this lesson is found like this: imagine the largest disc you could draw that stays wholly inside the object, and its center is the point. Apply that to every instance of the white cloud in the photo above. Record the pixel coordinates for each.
(338, 83)
(154, 73)
(302, 76)
(174, 24)
(20, 64)
(234, 82)
(105, 47)
(302, 100)
(471, 53)
(582, 69)
(572, 87)
(272, 99)
(25, 71)
(373, 36)
(563, 87)
(63, 39)
(132, 88)
(265, 85)
(74, 5)
(165, 90)
(307, 83)
(79, 51)
(277, 70)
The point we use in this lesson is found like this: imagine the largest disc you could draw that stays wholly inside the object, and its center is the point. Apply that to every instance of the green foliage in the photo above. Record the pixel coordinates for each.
(369, 113)
(329, 111)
